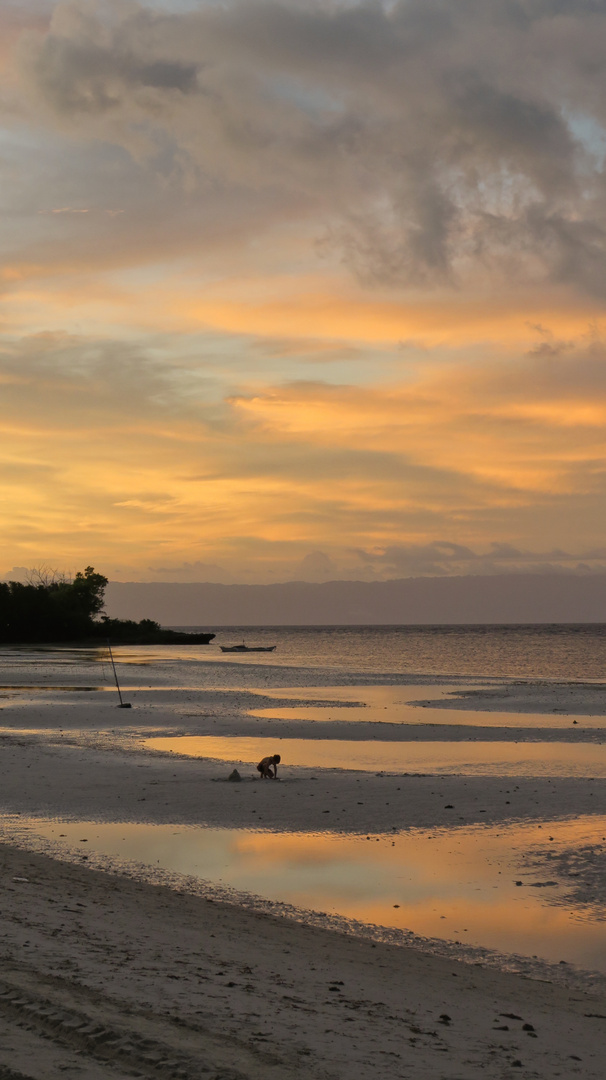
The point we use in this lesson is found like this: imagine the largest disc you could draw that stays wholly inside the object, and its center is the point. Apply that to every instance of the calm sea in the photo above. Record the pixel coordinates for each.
(542, 651)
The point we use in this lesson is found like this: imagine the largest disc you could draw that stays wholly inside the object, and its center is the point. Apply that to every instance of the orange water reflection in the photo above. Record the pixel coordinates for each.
(469, 758)
(394, 705)
(457, 884)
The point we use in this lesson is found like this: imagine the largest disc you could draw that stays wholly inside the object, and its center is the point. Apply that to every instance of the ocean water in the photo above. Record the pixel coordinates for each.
(543, 651)
(461, 886)
(331, 655)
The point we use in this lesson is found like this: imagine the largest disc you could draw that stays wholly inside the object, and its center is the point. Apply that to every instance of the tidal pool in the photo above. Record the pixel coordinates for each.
(504, 888)
(400, 705)
(442, 758)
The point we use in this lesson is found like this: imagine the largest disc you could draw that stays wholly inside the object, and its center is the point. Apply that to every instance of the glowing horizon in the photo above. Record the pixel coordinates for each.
(301, 291)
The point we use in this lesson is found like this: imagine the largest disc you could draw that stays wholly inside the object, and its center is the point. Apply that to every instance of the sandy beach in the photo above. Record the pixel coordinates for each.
(106, 973)
(303, 461)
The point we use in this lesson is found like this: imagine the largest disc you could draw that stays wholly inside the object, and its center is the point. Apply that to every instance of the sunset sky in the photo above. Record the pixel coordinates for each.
(303, 289)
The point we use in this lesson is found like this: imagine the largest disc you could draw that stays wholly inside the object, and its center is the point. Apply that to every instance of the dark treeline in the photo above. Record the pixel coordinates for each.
(55, 610)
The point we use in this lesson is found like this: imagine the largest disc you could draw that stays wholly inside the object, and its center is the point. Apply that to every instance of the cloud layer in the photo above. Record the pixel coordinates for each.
(424, 143)
(303, 288)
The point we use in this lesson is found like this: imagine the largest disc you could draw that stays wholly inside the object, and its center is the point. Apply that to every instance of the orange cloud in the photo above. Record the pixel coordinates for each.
(439, 321)
(111, 456)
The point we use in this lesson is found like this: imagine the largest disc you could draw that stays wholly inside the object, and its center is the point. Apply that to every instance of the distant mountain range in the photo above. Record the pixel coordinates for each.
(503, 598)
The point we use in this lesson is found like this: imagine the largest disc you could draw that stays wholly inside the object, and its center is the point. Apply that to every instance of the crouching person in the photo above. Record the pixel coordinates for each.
(268, 767)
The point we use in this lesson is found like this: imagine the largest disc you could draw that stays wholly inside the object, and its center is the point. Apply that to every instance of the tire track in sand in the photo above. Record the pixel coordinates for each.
(112, 1040)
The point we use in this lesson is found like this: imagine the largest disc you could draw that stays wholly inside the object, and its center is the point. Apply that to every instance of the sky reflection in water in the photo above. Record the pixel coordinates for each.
(396, 705)
(441, 758)
(457, 884)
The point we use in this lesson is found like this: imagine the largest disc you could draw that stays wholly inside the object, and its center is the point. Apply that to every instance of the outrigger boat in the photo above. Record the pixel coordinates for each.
(247, 648)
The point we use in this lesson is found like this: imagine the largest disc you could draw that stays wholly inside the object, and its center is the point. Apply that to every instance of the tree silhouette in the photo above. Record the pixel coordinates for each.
(49, 607)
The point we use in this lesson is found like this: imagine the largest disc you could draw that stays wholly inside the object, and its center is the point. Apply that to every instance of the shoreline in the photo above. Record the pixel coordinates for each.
(565, 974)
(252, 985)
(165, 979)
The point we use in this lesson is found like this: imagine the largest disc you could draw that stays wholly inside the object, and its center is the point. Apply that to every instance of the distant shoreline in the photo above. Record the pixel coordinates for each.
(163, 637)
(496, 600)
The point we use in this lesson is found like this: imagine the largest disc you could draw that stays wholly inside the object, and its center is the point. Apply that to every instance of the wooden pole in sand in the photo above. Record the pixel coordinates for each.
(123, 704)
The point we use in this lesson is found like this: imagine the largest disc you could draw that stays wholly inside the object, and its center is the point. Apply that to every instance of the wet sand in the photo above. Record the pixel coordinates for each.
(108, 971)
(176, 978)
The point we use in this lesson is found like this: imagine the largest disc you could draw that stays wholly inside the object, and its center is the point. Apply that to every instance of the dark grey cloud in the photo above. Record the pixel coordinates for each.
(427, 142)
(315, 566)
(192, 571)
(447, 558)
(82, 76)
(18, 573)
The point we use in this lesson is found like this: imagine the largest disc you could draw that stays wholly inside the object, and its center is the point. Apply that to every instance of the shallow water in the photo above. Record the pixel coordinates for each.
(439, 758)
(491, 886)
(402, 705)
